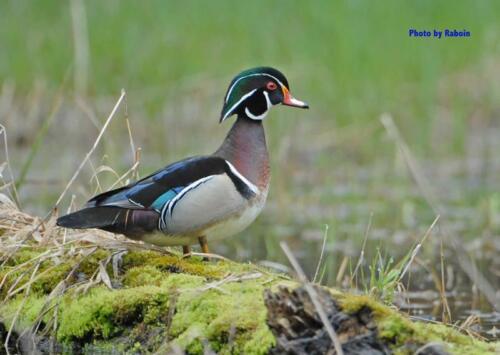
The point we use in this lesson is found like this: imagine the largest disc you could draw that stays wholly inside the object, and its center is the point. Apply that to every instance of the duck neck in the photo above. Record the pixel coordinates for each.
(245, 148)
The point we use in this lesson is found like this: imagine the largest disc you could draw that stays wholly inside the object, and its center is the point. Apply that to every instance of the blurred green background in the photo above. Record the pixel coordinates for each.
(63, 64)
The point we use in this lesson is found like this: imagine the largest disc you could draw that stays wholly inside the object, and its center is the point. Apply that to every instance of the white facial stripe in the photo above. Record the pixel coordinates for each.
(239, 102)
(247, 76)
(247, 182)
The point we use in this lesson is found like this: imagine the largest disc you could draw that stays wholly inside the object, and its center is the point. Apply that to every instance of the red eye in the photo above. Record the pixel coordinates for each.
(271, 85)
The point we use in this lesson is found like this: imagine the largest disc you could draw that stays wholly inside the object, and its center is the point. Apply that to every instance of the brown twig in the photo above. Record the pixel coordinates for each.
(314, 298)
(94, 146)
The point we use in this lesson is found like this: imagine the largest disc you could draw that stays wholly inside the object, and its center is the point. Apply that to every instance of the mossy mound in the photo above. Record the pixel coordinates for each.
(144, 301)
(155, 301)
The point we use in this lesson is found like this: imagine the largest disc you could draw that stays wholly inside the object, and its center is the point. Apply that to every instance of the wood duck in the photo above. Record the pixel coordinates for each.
(202, 197)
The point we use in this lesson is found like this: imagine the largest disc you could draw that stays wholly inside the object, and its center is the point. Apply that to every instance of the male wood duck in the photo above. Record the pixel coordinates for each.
(203, 197)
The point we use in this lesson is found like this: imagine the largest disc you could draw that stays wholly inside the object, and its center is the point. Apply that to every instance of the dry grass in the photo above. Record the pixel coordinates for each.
(20, 231)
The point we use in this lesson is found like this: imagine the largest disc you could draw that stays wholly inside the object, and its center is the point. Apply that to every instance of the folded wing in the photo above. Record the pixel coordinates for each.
(136, 208)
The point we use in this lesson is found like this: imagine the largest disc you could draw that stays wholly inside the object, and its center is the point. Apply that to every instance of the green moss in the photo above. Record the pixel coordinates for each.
(10, 277)
(25, 254)
(103, 313)
(398, 330)
(50, 276)
(208, 309)
(192, 266)
(31, 310)
(182, 282)
(176, 264)
(137, 258)
(90, 263)
(213, 312)
(50, 272)
(353, 303)
(199, 313)
(143, 275)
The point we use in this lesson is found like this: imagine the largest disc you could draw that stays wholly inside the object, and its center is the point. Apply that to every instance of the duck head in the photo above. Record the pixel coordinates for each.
(253, 92)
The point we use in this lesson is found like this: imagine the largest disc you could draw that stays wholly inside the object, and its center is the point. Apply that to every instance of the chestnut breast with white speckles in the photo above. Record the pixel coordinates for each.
(245, 147)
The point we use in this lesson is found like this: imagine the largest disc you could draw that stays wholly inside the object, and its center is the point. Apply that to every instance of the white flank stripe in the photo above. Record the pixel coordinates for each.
(185, 191)
(247, 182)
(162, 223)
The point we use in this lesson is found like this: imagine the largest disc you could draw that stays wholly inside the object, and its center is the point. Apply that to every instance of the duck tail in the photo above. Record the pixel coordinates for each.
(92, 217)
(112, 219)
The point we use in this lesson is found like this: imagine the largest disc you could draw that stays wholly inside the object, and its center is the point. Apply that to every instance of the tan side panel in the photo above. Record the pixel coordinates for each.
(210, 202)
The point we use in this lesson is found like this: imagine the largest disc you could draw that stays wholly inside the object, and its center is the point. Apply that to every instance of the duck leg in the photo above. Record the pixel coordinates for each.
(186, 250)
(204, 245)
